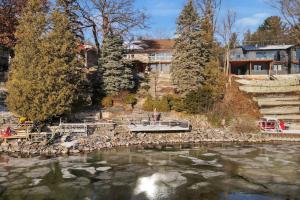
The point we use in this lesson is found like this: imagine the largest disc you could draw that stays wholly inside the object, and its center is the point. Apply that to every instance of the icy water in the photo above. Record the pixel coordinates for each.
(237, 172)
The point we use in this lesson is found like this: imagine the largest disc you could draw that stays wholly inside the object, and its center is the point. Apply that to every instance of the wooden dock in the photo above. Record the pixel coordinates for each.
(161, 126)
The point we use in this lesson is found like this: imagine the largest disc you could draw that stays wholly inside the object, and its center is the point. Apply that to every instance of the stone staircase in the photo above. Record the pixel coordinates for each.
(279, 97)
(163, 84)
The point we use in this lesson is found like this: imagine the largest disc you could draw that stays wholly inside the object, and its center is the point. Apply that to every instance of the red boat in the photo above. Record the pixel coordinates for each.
(272, 125)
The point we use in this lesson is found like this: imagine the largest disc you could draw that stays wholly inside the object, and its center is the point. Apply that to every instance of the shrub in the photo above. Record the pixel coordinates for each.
(107, 102)
(178, 104)
(199, 101)
(162, 105)
(130, 99)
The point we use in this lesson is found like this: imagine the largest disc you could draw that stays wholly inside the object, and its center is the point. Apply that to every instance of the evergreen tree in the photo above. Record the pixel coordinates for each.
(22, 84)
(116, 72)
(271, 31)
(191, 54)
(44, 78)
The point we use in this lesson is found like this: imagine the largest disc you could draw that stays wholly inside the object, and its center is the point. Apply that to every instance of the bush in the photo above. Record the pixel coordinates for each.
(178, 104)
(199, 101)
(148, 104)
(130, 99)
(161, 105)
(107, 102)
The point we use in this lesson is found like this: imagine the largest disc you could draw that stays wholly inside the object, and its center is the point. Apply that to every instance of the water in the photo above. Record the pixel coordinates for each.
(237, 172)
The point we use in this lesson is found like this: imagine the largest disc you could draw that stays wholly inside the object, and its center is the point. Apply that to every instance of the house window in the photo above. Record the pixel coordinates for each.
(277, 67)
(257, 68)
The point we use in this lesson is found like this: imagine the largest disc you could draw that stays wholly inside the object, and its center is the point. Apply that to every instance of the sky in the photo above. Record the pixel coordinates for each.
(163, 14)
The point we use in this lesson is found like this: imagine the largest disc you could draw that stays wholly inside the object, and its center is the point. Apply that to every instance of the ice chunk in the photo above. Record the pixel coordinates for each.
(67, 174)
(102, 169)
(35, 182)
(211, 174)
(103, 162)
(198, 161)
(209, 154)
(3, 179)
(90, 170)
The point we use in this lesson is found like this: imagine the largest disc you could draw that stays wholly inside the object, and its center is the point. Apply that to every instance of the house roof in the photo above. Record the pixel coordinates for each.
(267, 47)
(152, 45)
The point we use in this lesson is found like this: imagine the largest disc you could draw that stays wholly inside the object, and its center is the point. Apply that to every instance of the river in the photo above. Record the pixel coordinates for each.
(204, 171)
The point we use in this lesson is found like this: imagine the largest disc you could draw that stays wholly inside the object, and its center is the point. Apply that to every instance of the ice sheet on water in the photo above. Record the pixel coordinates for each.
(3, 179)
(39, 190)
(189, 172)
(90, 170)
(197, 186)
(38, 172)
(76, 184)
(198, 161)
(27, 162)
(66, 173)
(209, 154)
(212, 174)
(235, 151)
(3, 173)
(103, 162)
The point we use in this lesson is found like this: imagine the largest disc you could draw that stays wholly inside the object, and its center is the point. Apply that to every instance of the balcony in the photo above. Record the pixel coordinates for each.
(251, 57)
(160, 57)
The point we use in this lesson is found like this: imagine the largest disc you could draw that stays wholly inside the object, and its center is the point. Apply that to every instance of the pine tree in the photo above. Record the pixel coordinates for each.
(116, 72)
(44, 77)
(191, 54)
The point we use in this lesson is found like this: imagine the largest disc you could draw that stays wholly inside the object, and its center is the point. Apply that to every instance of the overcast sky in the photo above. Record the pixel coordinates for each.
(163, 14)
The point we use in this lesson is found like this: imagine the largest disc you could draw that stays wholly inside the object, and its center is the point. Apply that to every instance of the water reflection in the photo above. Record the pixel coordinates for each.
(157, 185)
(221, 172)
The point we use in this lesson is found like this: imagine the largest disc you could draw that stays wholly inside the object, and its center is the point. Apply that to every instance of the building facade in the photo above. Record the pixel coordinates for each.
(151, 55)
(265, 60)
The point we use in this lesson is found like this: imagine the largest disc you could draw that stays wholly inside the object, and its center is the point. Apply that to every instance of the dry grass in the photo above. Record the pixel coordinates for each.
(237, 110)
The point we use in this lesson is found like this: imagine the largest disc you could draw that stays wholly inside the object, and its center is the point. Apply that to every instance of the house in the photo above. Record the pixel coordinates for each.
(90, 55)
(151, 55)
(265, 60)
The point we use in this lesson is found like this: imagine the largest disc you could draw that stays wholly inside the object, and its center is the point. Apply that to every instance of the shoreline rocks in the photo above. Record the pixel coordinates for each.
(102, 139)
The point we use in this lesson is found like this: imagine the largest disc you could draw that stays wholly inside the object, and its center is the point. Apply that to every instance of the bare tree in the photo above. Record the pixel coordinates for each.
(111, 16)
(226, 32)
(210, 9)
(290, 10)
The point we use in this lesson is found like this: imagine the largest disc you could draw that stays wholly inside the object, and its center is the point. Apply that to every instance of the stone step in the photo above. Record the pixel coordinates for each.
(286, 117)
(269, 83)
(280, 110)
(282, 98)
(269, 90)
(278, 103)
